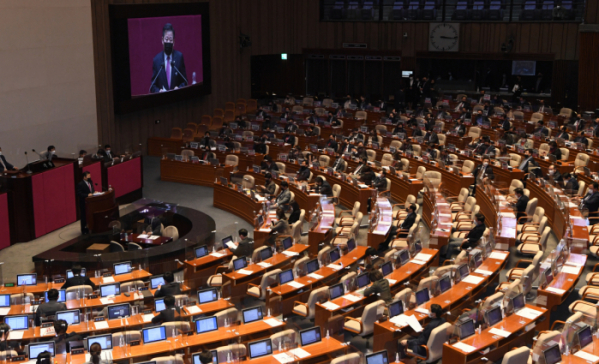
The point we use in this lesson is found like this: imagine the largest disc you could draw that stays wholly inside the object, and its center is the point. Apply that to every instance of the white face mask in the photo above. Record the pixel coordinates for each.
(485, 164)
(53, 152)
(551, 171)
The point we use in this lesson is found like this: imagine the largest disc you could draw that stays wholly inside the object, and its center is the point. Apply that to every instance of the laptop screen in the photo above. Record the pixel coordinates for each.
(239, 263)
(351, 245)
(464, 271)
(154, 334)
(105, 341)
(395, 309)
(494, 316)
(116, 311)
(71, 275)
(422, 296)
(207, 295)
(585, 336)
(377, 358)
(260, 348)
(159, 304)
(122, 268)
(17, 322)
(310, 336)
(404, 256)
(26, 279)
(466, 329)
(157, 281)
(196, 358)
(265, 254)
(552, 355)
(335, 291)
(228, 239)
(518, 302)
(387, 269)
(62, 296)
(113, 289)
(287, 243)
(312, 266)
(206, 325)
(5, 300)
(548, 275)
(445, 284)
(36, 349)
(334, 255)
(252, 314)
(70, 316)
(201, 251)
(285, 276)
(363, 280)
(478, 260)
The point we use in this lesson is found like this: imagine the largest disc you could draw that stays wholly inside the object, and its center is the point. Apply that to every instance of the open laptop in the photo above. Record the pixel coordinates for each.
(122, 268)
(195, 358)
(159, 304)
(552, 355)
(445, 283)
(70, 316)
(252, 314)
(287, 243)
(422, 296)
(387, 268)
(286, 276)
(351, 245)
(310, 336)
(380, 357)
(35, 349)
(518, 302)
(105, 341)
(120, 310)
(335, 291)
(112, 289)
(585, 336)
(464, 271)
(206, 324)
(396, 309)
(466, 329)
(154, 334)
(207, 295)
(493, 316)
(201, 251)
(260, 348)
(157, 281)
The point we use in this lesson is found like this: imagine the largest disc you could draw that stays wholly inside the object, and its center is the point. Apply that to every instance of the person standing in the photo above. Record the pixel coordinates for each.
(85, 189)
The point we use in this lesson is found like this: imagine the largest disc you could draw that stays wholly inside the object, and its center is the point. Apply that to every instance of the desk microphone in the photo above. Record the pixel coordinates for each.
(33, 150)
(152, 84)
(176, 69)
(28, 165)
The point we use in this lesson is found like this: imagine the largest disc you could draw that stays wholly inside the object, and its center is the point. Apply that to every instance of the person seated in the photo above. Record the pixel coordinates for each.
(269, 187)
(466, 114)
(170, 288)
(332, 119)
(570, 184)
(241, 123)
(171, 313)
(521, 202)
(528, 161)
(380, 181)
(291, 127)
(591, 202)
(323, 187)
(49, 308)
(244, 247)
(360, 152)
(421, 338)
(289, 139)
(554, 150)
(260, 146)
(416, 132)
(460, 106)
(225, 130)
(268, 165)
(6, 344)
(399, 129)
(347, 147)
(563, 134)
(480, 119)
(338, 163)
(289, 100)
(207, 155)
(279, 226)
(459, 128)
(484, 171)
(4, 165)
(286, 114)
(284, 196)
(360, 167)
(431, 136)
(153, 226)
(78, 280)
(366, 175)
(303, 174)
(332, 143)
(311, 131)
(553, 173)
(582, 139)
(379, 286)
(471, 239)
(206, 140)
(265, 126)
(61, 338)
(410, 218)
(541, 129)
(260, 113)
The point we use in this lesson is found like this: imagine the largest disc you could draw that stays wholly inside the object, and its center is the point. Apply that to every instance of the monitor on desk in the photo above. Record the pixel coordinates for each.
(20, 322)
(493, 316)
(27, 279)
(154, 334)
(380, 357)
(552, 355)
(112, 289)
(445, 283)
(585, 336)
(5, 300)
(334, 255)
(228, 239)
(33, 350)
(206, 324)
(310, 336)
(477, 259)
(122, 268)
(466, 329)
(548, 276)
(464, 271)
(265, 254)
(252, 314)
(207, 295)
(62, 296)
(260, 348)
(260, 221)
(286, 276)
(105, 341)
(157, 281)
(363, 280)
(195, 358)
(201, 251)
(239, 263)
(335, 291)
(287, 243)
(395, 309)
(403, 257)
(351, 245)
(118, 311)
(422, 296)
(518, 302)
(159, 305)
(70, 316)
(387, 268)
(312, 266)
(70, 273)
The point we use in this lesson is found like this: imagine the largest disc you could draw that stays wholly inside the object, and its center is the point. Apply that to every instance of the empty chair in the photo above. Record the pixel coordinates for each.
(324, 160)
(565, 112)
(285, 338)
(364, 325)
(371, 155)
(467, 167)
(248, 182)
(434, 177)
(127, 336)
(188, 135)
(308, 309)
(534, 244)
(232, 160)
(387, 160)
(516, 272)
(531, 223)
(76, 292)
(466, 210)
(116, 247)
(171, 359)
(434, 346)
(474, 132)
(230, 315)
(346, 217)
(230, 352)
(268, 279)
(171, 232)
(361, 115)
(337, 193)
(132, 286)
(458, 204)
(416, 149)
(21, 298)
(176, 133)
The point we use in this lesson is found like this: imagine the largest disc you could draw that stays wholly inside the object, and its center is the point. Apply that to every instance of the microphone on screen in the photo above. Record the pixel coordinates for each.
(176, 69)
(155, 78)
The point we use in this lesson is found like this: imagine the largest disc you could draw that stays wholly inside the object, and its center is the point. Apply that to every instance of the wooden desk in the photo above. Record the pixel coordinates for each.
(236, 202)
(323, 230)
(135, 238)
(563, 284)
(319, 352)
(380, 228)
(198, 270)
(505, 233)
(441, 230)
(191, 173)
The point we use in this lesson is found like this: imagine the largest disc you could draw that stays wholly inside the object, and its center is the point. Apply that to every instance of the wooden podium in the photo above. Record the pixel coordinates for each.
(101, 210)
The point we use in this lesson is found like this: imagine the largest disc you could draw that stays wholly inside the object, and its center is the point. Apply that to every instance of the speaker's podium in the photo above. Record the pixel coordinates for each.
(101, 209)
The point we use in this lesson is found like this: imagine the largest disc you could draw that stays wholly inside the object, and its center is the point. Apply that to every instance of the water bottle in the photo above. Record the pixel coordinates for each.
(193, 77)
(397, 357)
(328, 337)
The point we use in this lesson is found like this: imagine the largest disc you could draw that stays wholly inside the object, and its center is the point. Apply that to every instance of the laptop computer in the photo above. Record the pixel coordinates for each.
(252, 314)
(70, 316)
(207, 295)
(154, 334)
(422, 296)
(396, 309)
(380, 357)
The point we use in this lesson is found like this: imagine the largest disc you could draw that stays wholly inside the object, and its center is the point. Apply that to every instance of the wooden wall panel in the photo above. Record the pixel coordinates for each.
(588, 80)
(289, 26)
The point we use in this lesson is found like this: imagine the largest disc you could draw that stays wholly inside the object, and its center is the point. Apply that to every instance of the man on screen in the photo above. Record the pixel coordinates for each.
(168, 69)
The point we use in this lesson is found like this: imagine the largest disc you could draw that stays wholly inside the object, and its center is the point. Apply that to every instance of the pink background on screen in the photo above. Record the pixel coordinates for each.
(53, 199)
(145, 43)
(4, 227)
(96, 170)
(125, 177)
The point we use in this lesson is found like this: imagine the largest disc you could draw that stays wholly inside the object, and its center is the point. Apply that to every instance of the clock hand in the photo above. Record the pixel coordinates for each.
(444, 37)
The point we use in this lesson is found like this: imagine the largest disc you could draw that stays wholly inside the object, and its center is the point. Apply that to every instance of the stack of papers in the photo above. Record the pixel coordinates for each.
(464, 347)
(300, 353)
(423, 257)
(193, 309)
(391, 281)
(4, 311)
(106, 301)
(352, 298)
(334, 266)
(295, 284)
(104, 324)
(107, 280)
(16, 335)
(555, 290)
(315, 276)
(502, 333)
(273, 322)
(570, 270)
(153, 237)
(147, 318)
(419, 262)
(403, 320)
(483, 272)
(284, 358)
(264, 264)
(328, 305)
(142, 236)
(218, 255)
(47, 331)
(587, 356)
(231, 245)
(473, 279)
(422, 310)
(528, 313)
(498, 255)
(245, 271)
(290, 254)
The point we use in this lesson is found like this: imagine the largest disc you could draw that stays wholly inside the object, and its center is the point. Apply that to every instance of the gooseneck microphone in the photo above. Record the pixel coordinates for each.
(176, 69)
(33, 150)
(155, 78)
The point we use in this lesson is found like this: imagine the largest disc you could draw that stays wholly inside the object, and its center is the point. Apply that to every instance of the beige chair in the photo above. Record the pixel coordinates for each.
(458, 204)
(296, 231)
(565, 153)
(347, 217)
(21, 298)
(434, 177)
(308, 309)
(361, 115)
(320, 111)
(132, 286)
(128, 336)
(442, 139)
(248, 182)
(581, 161)
(517, 356)
(516, 183)
(416, 149)
(434, 346)
(231, 160)
(468, 167)
(565, 112)
(515, 160)
(299, 267)
(171, 359)
(536, 117)
(531, 221)
(8, 354)
(407, 297)
(395, 144)
(387, 160)
(281, 167)
(405, 164)
(308, 101)
(73, 292)
(533, 231)
(324, 160)
(364, 325)
(466, 210)
(256, 253)
(327, 102)
(285, 338)
(353, 358)
(420, 172)
(371, 154)
(323, 254)
(401, 243)
(534, 244)
(474, 132)
(347, 231)
(464, 221)
(248, 134)
(229, 315)
(230, 352)
(187, 154)
(336, 193)
(581, 189)
(171, 232)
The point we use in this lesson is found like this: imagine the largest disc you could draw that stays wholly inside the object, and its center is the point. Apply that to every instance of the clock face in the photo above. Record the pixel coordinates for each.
(444, 37)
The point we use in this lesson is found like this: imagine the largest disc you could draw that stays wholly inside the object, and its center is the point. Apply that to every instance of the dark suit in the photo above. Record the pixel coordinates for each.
(528, 162)
(382, 288)
(416, 344)
(48, 309)
(338, 165)
(488, 172)
(332, 144)
(409, 221)
(169, 314)
(474, 236)
(270, 188)
(169, 289)
(289, 139)
(582, 140)
(564, 135)
(244, 248)
(506, 125)
(283, 197)
(159, 69)
(8, 165)
(303, 174)
(272, 167)
(83, 191)
(460, 129)
(78, 281)
(61, 342)
(431, 137)
(521, 205)
(417, 132)
(291, 128)
(571, 185)
(325, 189)
(557, 177)
(592, 202)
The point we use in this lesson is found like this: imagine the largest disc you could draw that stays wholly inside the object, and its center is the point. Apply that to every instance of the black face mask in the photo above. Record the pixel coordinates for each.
(168, 48)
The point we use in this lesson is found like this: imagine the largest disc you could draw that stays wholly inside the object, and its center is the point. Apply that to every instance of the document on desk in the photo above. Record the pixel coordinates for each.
(264, 264)
(419, 262)
(154, 237)
(351, 297)
(464, 347)
(290, 254)
(555, 290)
(502, 333)
(473, 279)
(193, 309)
(98, 193)
(400, 320)
(217, 255)
(245, 272)
(529, 313)
(498, 255)
(334, 266)
(422, 310)
(273, 322)
(587, 356)
(422, 256)
(300, 353)
(570, 270)
(295, 284)
(106, 301)
(107, 280)
(4, 311)
(101, 325)
(142, 236)
(414, 324)
(16, 335)
(231, 245)
(330, 306)
(284, 358)
(315, 276)
(483, 272)
(147, 317)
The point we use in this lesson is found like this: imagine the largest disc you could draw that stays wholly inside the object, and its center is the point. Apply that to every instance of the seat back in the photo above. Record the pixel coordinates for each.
(361, 115)
(530, 207)
(405, 164)
(468, 166)
(248, 181)
(132, 286)
(565, 112)
(565, 153)
(538, 215)
(231, 160)
(371, 154)
(527, 279)
(371, 313)
(302, 215)
(516, 356)
(256, 253)
(21, 298)
(491, 300)
(171, 232)
(387, 160)
(230, 315)
(515, 160)
(442, 138)
(176, 133)
(299, 267)
(317, 295)
(171, 359)
(395, 144)
(230, 352)
(463, 195)
(439, 336)
(545, 237)
(416, 149)
(296, 231)
(470, 203)
(323, 255)
(336, 191)
(434, 177)
(516, 183)
(128, 336)
(281, 166)
(405, 296)
(420, 172)
(582, 160)
(324, 160)
(474, 132)
(71, 293)
(285, 338)
(581, 188)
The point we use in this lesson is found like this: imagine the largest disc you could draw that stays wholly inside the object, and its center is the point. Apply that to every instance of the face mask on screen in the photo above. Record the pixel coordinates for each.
(168, 48)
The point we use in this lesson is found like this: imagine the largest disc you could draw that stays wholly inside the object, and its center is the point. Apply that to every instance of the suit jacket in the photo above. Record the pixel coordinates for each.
(169, 289)
(283, 197)
(380, 183)
(488, 171)
(432, 137)
(542, 130)
(273, 166)
(61, 342)
(8, 165)
(207, 155)
(506, 125)
(83, 190)
(78, 281)
(271, 188)
(422, 339)
(564, 135)
(286, 115)
(557, 153)
(461, 129)
(529, 162)
(338, 164)
(244, 249)
(557, 177)
(325, 189)
(281, 227)
(417, 132)
(169, 314)
(291, 128)
(48, 309)
(159, 69)
(382, 288)
(582, 140)
(289, 139)
(409, 221)
(303, 174)
(521, 205)
(474, 235)
(592, 202)
(572, 185)
(332, 144)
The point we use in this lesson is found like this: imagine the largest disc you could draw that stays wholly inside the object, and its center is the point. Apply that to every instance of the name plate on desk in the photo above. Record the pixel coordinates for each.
(47, 324)
(135, 343)
(59, 280)
(77, 351)
(98, 319)
(17, 358)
